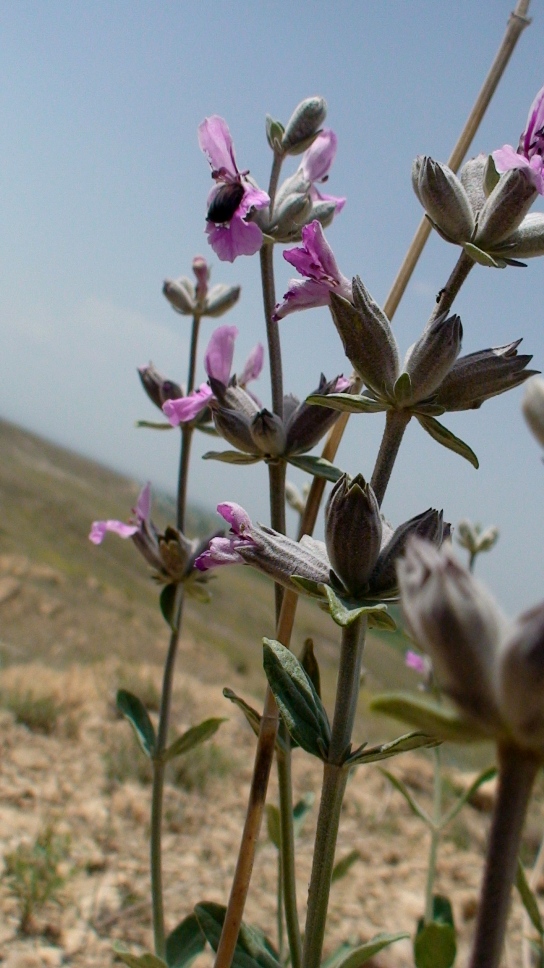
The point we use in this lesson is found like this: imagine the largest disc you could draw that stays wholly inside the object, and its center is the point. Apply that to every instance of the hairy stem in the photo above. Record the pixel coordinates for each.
(517, 771)
(435, 834)
(168, 677)
(158, 784)
(396, 422)
(446, 296)
(272, 328)
(287, 852)
(335, 777)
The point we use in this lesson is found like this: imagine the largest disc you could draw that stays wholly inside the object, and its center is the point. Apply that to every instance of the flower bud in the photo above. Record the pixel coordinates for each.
(505, 208)
(268, 434)
(353, 532)
(521, 679)
(433, 355)
(478, 376)
(368, 339)
(471, 537)
(201, 270)
(526, 242)
(296, 499)
(453, 618)
(157, 387)
(443, 198)
(305, 424)
(429, 526)
(533, 407)
(221, 298)
(180, 294)
(303, 124)
(235, 427)
(324, 211)
(473, 179)
(293, 212)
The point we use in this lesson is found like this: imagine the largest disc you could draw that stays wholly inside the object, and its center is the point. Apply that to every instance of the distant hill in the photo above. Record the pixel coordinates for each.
(100, 601)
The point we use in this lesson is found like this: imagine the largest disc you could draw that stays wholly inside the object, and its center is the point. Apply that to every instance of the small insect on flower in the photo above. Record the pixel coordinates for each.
(225, 202)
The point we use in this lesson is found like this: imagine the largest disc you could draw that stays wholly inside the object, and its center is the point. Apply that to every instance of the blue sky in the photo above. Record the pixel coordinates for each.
(104, 191)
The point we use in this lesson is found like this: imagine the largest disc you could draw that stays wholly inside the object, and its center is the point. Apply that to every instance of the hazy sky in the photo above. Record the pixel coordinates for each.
(104, 191)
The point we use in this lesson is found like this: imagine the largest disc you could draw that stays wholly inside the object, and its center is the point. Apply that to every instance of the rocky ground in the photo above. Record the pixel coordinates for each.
(71, 778)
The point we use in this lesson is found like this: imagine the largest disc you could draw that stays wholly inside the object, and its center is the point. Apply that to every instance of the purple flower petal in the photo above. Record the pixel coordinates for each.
(253, 365)
(220, 552)
(143, 504)
(215, 140)
(315, 260)
(99, 528)
(187, 408)
(416, 662)
(532, 139)
(234, 239)
(235, 515)
(318, 158)
(219, 353)
(302, 294)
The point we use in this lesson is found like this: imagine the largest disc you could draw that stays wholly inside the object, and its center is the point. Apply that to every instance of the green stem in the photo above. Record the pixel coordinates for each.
(447, 295)
(396, 422)
(335, 778)
(158, 785)
(435, 834)
(272, 328)
(157, 794)
(279, 911)
(287, 852)
(517, 771)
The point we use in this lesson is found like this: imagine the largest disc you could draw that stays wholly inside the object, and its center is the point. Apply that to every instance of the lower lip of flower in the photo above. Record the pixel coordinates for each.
(225, 202)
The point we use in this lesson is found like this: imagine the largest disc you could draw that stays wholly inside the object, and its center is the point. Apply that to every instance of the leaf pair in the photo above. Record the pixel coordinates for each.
(135, 712)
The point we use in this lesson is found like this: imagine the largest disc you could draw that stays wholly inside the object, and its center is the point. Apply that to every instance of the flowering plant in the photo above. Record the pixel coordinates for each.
(480, 667)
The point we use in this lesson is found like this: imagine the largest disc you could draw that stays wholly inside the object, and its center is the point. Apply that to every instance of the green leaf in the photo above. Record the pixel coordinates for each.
(252, 716)
(410, 800)
(301, 811)
(184, 943)
(468, 794)
(428, 409)
(343, 865)
(317, 466)
(358, 956)
(443, 722)
(347, 402)
(273, 825)
(402, 391)
(315, 589)
(193, 737)
(435, 946)
(445, 437)
(134, 710)
(310, 665)
(153, 426)
(344, 613)
(231, 457)
(442, 910)
(168, 601)
(529, 900)
(301, 708)
(382, 621)
(481, 257)
(373, 754)
(197, 591)
(146, 960)
(252, 948)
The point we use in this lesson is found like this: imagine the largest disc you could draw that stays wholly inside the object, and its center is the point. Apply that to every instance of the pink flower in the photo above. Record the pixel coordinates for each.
(419, 663)
(233, 198)
(141, 516)
(530, 148)
(223, 551)
(316, 163)
(315, 260)
(218, 364)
